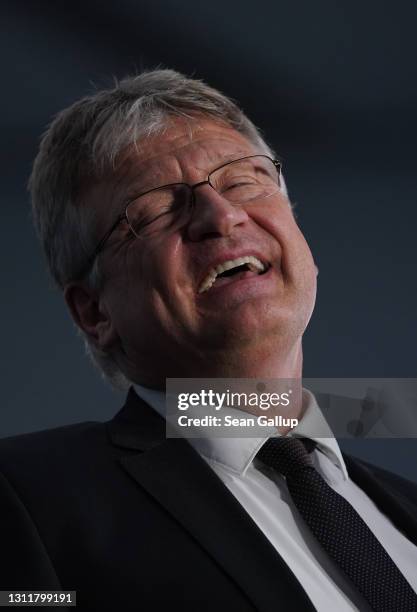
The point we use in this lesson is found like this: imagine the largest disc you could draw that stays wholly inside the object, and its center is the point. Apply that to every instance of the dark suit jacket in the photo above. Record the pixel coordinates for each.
(134, 521)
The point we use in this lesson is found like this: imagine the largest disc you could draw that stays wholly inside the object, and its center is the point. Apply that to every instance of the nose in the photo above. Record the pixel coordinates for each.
(213, 215)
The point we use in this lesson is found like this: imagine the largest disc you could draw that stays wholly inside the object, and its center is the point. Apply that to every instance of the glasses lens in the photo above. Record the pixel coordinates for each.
(246, 179)
(158, 209)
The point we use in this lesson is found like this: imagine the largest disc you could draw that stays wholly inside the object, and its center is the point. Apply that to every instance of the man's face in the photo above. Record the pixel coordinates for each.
(160, 319)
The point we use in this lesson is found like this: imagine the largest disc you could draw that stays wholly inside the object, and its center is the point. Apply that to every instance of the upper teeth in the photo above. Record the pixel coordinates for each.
(255, 265)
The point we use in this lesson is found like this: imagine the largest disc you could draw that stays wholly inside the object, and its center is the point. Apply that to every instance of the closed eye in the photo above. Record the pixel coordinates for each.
(237, 184)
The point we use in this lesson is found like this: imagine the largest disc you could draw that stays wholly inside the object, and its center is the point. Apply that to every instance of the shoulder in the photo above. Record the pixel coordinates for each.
(36, 445)
(50, 455)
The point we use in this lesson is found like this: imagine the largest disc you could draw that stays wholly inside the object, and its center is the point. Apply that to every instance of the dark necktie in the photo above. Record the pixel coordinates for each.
(339, 528)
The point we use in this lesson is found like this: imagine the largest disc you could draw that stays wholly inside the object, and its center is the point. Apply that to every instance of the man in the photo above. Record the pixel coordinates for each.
(144, 196)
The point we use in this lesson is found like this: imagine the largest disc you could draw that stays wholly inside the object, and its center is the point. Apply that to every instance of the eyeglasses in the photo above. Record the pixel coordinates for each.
(239, 181)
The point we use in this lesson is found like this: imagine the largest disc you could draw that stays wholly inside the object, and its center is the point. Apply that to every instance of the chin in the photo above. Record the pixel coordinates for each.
(254, 327)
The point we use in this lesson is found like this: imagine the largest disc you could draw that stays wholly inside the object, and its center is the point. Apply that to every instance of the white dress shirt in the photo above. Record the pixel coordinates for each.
(264, 495)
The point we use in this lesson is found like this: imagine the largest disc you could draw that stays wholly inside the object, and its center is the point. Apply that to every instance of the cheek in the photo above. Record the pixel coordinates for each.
(278, 221)
(129, 286)
(158, 280)
(297, 263)
(298, 253)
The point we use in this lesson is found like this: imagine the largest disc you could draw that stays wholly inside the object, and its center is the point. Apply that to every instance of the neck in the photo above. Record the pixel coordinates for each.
(280, 369)
(274, 364)
(279, 375)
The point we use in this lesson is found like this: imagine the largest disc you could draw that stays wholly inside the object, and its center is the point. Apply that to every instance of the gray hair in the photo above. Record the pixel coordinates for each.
(85, 141)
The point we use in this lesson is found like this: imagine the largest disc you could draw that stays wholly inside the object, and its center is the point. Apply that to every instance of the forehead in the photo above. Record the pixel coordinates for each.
(202, 143)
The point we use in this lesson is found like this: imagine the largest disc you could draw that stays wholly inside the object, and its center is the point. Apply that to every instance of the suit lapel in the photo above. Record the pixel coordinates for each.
(180, 480)
(386, 490)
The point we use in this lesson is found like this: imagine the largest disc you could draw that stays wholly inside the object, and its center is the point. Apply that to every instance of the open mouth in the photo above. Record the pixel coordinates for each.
(232, 270)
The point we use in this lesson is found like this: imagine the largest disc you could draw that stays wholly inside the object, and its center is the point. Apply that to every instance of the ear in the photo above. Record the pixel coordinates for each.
(90, 315)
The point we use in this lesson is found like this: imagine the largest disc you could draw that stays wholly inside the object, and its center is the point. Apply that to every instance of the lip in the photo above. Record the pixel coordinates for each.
(227, 256)
(239, 289)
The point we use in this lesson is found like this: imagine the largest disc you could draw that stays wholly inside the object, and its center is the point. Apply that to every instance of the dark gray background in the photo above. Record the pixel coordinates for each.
(333, 86)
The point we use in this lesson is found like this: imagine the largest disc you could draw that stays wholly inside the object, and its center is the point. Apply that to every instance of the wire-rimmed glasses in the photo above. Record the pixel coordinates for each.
(239, 181)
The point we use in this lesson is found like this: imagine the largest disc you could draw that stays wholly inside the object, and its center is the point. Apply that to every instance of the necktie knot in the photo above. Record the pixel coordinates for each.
(286, 455)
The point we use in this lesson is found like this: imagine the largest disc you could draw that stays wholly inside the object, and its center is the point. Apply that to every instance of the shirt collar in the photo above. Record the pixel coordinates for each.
(313, 423)
(237, 454)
